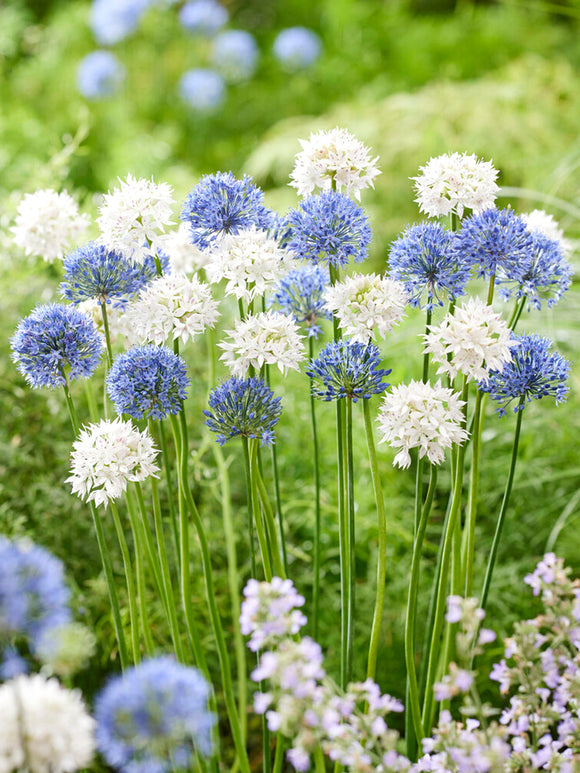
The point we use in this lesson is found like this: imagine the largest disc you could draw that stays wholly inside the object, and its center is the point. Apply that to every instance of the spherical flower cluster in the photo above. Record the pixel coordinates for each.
(55, 343)
(533, 372)
(539, 221)
(364, 303)
(330, 229)
(203, 90)
(133, 218)
(184, 257)
(113, 20)
(109, 455)
(268, 338)
(99, 75)
(203, 17)
(452, 183)
(235, 54)
(67, 648)
(243, 407)
(300, 295)
(296, 48)
(472, 341)
(47, 223)
(424, 261)
(249, 261)
(270, 612)
(347, 369)
(421, 416)
(172, 306)
(154, 718)
(337, 157)
(148, 381)
(219, 204)
(44, 727)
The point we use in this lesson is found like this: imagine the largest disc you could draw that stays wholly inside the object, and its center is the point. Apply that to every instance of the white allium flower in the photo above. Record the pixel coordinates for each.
(185, 257)
(418, 415)
(134, 216)
(172, 305)
(270, 612)
(333, 156)
(364, 302)
(538, 220)
(116, 319)
(107, 456)
(48, 223)
(475, 336)
(45, 728)
(267, 338)
(249, 260)
(451, 183)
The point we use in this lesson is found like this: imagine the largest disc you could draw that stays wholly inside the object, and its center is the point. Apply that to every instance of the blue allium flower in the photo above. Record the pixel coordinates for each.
(204, 90)
(55, 341)
(204, 17)
(423, 260)
(546, 277)
(12, 664)
(495, 240)
(154, 718)
(114, 20)
(347, 369)
(99, 75)
(244, 407)
(297, 48)
(33, 595)
(219, 204)
(300, 294)
(235, 54)
(329, 228)
(148, 381)
(534, 372)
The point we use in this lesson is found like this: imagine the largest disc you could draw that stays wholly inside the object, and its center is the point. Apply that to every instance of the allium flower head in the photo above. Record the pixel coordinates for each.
(270, 612)
(365, 302)
(235, 54)
(539, 221)
(172, 306)
(418, 415)
(203, 17)
(184, 257)
(133, 218)
(268, 338)
(476, 339)
(245, 407)
(48, 223)
(54, 343)
(423, 260)
(113, 20)
(109, 455)
(337, 157)
(347, 369)
(154, 718)
(99, 75)
(452, 183)
(249, 261)
(534, 372)
(300, 295)
(329, 228)
(219, 204)
(296, 48)
(148, 381)
(202, 89)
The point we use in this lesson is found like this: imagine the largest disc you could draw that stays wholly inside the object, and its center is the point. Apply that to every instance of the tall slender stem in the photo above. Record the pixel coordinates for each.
(169, 484)
(140, 571)
(469, 552)
(350, 539)
(129, 577)
(250, 454)
(517, 312)
(274, 551)
(107, 333)
(317, 516)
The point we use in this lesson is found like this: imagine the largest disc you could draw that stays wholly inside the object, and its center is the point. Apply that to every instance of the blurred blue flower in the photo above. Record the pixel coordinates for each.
(148, 381)
(235, 54)
(154, 718)
(204, 17)
(347, 369)
(113, 20)
(12, 664)
(244, 407)
(204, 90)
(99, 74)
(297, 48)
(55, 341)
(300, 295)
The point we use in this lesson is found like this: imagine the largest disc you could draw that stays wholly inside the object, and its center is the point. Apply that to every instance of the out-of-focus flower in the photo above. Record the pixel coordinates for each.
(113, 20)
(202, 89)
(184, 256)
(297, 48)
(203, 17)
(347, 369)
(100, 74)
(270, 612)
(300, 295)
(66, 649)
(235, 54)
(539, 221)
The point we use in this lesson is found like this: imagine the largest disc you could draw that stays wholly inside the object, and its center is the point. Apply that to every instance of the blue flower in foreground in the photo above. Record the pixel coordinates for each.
(423, 260)
(204, 17)
(235, 54)
(148, 381)
(329, 228)
(220, 204)
(300, 294)
(154, 718)
(55, 341)
(244, 407)
(204, 90)
(99, 75)
(347, 369)
(33, 595)
(114, 20)
(534, 372)
(495, 241)
(297, 48)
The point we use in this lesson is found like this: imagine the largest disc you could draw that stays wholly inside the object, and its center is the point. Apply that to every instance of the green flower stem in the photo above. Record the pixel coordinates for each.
(319, 764)
(490, 290)
(414, 701)
(274, 549)
(469, 546)
(317, 516)
(169, 484)
(107, 334)
(279, 511)
(350, 540)
(140, 571)
(504, 506)
(158, 266)
(279, 758)
(254, 504)
(517, 312)
(131, 594)
(91, 400)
